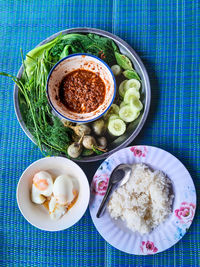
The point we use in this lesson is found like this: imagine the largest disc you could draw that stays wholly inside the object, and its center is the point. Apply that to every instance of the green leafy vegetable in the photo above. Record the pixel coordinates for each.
(131, 74)
(78, 43)
(46, 129)
(123, 61)
(87, 152)
(98, 152)
(36, 55)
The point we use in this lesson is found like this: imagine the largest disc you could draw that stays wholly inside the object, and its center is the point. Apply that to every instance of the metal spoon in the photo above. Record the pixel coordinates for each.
(119, 176)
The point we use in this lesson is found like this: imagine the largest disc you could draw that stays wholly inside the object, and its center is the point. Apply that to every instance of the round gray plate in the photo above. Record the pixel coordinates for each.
(135, 127)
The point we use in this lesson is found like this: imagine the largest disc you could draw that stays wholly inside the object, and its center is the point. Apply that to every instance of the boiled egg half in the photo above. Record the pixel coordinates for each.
(43, 182)
(57, 196)
(55, 209)
(63, 189)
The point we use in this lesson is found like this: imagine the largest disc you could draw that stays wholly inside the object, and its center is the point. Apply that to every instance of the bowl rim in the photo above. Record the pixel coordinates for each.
(74, 55)
(123, 44)
(86, 202)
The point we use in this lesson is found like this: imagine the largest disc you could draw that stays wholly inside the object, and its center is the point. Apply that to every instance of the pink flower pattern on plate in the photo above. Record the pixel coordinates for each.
(186, 212)
(99, 184)
(148, 248)
(139, 152)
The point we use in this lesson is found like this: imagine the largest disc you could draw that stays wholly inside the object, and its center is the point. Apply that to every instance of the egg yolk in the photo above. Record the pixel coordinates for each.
(41, 184)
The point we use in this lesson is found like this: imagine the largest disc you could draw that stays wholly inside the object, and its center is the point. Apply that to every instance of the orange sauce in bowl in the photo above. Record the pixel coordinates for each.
(74, 200)
(68, 206)
(82, 91)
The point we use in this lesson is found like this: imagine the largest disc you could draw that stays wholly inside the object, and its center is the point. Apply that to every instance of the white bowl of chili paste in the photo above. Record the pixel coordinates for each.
(81, 88)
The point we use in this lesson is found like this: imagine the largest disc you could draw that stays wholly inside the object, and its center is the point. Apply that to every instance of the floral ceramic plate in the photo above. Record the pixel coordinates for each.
(166, 234)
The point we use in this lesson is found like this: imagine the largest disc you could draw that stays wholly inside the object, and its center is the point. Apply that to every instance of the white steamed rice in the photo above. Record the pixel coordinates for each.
(144, 201)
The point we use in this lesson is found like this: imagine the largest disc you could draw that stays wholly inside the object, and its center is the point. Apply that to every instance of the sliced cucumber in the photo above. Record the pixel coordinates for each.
(121, 88)
(114, 109)
(116, 69)
(128, 113)
(122, 104)
(136, 103)
(113, 117)
(116, 127)
(133, 83)
(130, 94)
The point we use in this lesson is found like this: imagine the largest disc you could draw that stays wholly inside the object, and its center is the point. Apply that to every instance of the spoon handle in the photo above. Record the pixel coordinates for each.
(105, 200)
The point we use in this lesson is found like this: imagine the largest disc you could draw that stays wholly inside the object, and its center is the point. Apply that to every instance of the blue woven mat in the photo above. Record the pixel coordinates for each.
(166, 36)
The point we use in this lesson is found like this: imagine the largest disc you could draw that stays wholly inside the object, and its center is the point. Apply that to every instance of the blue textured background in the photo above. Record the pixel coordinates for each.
(166, 35)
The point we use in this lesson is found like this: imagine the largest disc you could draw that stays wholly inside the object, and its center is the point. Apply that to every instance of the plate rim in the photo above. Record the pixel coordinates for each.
(182, 166)
(140, 65)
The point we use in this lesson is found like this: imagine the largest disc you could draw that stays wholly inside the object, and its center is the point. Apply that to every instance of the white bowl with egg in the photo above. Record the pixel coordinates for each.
(63, 177)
